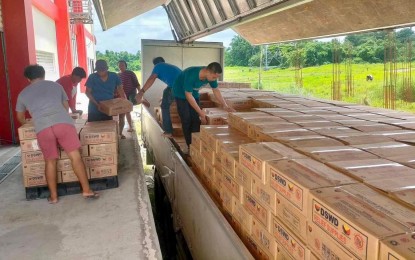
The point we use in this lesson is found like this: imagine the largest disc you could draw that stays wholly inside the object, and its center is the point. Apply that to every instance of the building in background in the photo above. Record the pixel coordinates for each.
(57, 34)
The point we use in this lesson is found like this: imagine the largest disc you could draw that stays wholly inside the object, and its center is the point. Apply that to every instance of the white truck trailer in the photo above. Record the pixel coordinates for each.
(177, 190)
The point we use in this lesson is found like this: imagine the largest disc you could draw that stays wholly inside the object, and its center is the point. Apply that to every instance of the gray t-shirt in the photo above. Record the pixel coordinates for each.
(43, 100)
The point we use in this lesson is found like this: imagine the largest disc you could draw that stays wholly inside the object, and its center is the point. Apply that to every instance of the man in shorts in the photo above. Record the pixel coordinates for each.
(47, 103)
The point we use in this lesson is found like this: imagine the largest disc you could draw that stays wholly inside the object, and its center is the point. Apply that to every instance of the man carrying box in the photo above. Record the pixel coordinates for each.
(47, 103)
(186, 91)
(100, 86)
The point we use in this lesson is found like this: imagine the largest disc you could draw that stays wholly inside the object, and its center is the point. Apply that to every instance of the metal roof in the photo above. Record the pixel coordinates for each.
(265, 21)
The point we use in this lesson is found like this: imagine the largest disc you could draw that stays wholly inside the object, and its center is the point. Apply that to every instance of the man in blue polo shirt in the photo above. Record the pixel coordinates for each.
(186, 91)
(168, 74)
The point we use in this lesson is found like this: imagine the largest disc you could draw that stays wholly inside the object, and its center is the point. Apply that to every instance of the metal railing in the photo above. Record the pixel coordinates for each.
(80, 11)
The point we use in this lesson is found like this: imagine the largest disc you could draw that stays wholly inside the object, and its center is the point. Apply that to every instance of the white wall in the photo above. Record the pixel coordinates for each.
(45, 41)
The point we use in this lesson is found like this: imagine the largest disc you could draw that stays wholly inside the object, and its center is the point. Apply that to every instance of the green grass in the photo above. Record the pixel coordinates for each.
(317, 82)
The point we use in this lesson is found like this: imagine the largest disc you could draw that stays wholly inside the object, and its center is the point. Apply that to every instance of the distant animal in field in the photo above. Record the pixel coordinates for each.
(369, 77)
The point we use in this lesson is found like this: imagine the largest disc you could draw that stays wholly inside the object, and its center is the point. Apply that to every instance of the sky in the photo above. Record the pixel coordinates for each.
(151, 25)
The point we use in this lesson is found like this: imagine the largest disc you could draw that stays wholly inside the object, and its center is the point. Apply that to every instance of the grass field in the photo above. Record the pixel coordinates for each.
(317, 82)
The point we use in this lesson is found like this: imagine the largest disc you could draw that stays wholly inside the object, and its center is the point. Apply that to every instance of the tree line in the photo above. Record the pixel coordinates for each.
(133, 60)
(363, 48)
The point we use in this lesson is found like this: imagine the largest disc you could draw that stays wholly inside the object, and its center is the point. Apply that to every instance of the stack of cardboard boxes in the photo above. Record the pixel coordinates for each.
(100, 139)
(99, 152)
(311, 191)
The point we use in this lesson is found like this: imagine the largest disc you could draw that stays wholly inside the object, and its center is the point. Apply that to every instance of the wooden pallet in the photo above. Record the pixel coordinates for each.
(42, 192)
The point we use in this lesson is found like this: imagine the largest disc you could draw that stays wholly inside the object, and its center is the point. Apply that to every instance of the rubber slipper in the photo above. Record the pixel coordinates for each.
(94, 195)
(52, 201)
(130, 130)
(123, 137)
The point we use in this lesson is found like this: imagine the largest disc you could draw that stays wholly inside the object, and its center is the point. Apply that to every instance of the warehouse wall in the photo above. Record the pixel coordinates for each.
(45, 44)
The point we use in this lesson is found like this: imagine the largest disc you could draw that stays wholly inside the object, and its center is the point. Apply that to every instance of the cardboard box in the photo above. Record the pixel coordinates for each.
(324, 247)
(99, 149)
(215, 119)
(69, 176)
(230, 183)
(264, 194)
(33, 180)
(399, 188)
(257, 210)
(206, 130)
(175, 118)
(373, 169)
(357, 217)
(254, 156)
(64, 165)
(398, 247)
(32, 157)
(98, 135)
(243, 176)
(27, 132)
(309, 141)
(256, 129)
(263, 238)
(388, 150)
(241, 215)
(83, 150)
(93, 161)
(229, 160)
(239, 103)
(209, 171)
(103, 171)
(273, 135)
(226, 198)
(208, 154)
(361, 138)
(29, 145)
(337, 153)
(33, 168)
(288, 241)
(116, 106)
(291, 216)
(196, 142)
(255, 249)
(293, 179)
(177, 129)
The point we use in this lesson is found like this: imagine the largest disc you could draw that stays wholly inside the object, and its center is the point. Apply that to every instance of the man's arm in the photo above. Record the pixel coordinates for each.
(91, 97)
(150, 81)
(21, 117)
(193, 103)
(71, 104)
(121, 92)
(135, 81)
(218, 96)
(66, 106)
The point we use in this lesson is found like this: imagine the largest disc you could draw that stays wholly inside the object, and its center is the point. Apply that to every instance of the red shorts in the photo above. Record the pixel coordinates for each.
(63, 134)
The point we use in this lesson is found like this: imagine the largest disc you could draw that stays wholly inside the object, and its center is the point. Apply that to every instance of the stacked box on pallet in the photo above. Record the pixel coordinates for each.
(33, 164)
(101, 139)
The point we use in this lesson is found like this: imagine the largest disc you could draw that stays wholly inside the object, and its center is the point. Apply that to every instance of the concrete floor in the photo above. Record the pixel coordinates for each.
(119, 225)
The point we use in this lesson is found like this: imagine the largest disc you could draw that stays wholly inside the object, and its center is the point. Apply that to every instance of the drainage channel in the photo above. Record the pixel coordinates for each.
(9, 166)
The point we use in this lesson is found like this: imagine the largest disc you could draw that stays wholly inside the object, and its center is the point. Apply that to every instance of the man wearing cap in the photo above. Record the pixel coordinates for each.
(69, 84)
(101, 86)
